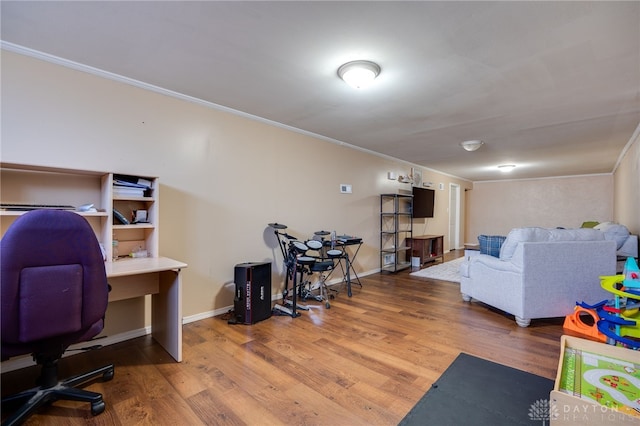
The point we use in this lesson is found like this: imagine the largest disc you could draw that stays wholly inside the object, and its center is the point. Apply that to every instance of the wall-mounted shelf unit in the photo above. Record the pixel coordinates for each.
(396, 230)
(135, 236)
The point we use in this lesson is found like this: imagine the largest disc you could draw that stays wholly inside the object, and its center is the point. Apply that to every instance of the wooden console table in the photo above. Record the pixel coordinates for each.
(428, 248)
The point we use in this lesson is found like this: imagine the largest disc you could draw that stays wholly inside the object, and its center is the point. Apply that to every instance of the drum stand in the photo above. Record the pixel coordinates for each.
(282, 238)
(292, 307)
(290, 248)
(322, 266)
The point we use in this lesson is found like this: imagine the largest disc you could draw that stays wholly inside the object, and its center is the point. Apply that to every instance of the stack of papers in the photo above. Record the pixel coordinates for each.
(131, 186)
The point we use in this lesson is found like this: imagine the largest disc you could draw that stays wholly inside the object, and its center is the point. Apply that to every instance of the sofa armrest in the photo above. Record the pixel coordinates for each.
(491, 262)
(629, 248)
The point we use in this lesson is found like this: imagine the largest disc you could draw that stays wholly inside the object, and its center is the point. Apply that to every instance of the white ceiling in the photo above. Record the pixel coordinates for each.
(553, 87)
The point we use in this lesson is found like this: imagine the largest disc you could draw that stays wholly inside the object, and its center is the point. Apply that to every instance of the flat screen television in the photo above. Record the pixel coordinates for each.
(423, 202)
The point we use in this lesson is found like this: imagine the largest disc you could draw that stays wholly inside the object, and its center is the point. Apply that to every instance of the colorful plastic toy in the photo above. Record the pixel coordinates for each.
(575, 323)
(615, 321)
(631, 274)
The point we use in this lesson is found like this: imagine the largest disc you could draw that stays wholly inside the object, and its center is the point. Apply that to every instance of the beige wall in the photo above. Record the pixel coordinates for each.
(627, 187)
(223, 177)
(497, 207)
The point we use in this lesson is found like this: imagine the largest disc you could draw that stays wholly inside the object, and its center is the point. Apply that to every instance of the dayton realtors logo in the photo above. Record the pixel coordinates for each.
(542, 410)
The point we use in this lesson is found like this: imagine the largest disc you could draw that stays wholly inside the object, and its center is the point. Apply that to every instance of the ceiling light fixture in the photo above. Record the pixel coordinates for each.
(359, 74)
(473, 145)
(505, 168)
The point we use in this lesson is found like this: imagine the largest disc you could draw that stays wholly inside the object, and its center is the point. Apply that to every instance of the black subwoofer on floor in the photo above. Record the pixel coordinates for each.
(252, 301)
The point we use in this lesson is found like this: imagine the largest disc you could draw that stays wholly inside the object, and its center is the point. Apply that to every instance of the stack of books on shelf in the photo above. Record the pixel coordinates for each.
(131, 186)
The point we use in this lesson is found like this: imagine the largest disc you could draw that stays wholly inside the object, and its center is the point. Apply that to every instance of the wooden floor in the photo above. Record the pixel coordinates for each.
(365, 361)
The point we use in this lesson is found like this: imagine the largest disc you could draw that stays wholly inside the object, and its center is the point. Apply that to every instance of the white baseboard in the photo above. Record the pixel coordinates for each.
(27, 361)
(208, 314)
(274, 297)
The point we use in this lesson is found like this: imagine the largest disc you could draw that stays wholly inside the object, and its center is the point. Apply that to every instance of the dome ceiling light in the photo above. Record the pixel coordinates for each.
(471, 146)
(506, 168)
(359, 74)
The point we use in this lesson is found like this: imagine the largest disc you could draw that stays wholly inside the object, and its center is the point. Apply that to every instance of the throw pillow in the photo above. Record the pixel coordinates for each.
(490, 244)
(589, 224)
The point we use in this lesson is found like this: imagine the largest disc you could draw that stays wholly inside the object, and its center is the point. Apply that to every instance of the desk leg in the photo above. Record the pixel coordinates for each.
(166, 314)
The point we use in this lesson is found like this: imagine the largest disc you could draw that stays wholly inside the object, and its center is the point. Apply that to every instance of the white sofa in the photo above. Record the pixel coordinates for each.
(541, 273)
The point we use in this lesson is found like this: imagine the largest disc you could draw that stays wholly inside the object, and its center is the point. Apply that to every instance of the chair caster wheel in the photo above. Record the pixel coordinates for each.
(107, 375)
(97, 408)
(327, 305)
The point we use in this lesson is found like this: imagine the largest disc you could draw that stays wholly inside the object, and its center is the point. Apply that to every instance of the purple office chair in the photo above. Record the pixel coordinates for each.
(54, 294)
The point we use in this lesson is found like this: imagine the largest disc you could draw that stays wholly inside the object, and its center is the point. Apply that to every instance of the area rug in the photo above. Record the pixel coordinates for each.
(476, 392)
(447, 271)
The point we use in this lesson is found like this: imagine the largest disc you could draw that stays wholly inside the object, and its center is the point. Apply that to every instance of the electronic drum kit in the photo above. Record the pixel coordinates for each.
(299, 260)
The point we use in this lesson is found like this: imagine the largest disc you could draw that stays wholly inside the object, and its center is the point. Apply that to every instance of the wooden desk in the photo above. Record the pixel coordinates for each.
(160, 277)
(428, 248)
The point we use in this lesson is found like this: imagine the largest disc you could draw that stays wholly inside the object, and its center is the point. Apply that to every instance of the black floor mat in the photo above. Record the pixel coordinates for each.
(476, 392)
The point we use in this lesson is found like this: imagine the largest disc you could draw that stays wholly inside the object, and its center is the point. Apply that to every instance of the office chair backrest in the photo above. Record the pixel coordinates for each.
(54, 286)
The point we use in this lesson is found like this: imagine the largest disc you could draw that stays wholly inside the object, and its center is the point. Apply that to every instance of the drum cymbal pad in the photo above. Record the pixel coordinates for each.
(277, 225)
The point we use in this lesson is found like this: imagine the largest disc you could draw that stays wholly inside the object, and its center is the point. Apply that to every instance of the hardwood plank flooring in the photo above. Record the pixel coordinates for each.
(365, 361)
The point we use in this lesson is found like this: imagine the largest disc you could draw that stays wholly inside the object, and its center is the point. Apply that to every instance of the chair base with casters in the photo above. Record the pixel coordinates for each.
(50, 389)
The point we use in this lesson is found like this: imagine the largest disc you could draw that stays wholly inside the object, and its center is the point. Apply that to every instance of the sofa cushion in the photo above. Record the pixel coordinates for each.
(490, 244)
(535, 234)
(580, 234)
(518, 235)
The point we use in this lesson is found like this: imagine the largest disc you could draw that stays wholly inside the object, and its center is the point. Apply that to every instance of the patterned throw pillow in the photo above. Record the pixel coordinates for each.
(490, 244)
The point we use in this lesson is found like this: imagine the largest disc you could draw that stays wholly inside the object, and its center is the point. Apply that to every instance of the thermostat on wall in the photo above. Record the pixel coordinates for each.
(345, 188)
